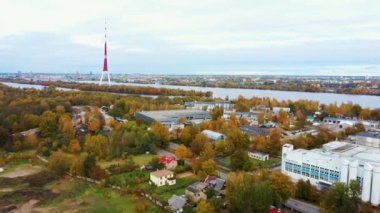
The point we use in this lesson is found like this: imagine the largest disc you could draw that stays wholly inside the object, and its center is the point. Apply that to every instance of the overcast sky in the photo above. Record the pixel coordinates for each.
(310, 37)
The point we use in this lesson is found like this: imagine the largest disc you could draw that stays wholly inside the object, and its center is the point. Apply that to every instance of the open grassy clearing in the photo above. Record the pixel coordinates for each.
(78, 196)
(143, 158)
(138, 159)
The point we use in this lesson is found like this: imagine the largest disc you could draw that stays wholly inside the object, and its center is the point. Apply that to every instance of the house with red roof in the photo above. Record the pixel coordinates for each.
(170, 162)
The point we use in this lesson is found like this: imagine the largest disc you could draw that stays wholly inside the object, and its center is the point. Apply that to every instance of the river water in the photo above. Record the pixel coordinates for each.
(232, 93)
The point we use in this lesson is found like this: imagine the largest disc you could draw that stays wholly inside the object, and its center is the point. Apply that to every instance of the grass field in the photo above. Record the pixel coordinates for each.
(138, 159)
(78, 196)
(143, 158)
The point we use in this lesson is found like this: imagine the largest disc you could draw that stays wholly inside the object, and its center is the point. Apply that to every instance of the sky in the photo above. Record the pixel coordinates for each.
(254, 37)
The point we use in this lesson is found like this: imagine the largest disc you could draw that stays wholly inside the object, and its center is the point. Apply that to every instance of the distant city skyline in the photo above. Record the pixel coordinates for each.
(245, 37)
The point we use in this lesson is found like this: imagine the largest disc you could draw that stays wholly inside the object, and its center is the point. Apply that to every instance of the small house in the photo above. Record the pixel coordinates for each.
(258, 155)
(170, 162)
(196, 191)
(162, 178)
(176, 203)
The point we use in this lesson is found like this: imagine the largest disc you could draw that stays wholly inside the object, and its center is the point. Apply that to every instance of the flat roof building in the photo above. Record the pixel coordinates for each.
(171, 117)
(368, 139)
(209, 105)
(336, 162)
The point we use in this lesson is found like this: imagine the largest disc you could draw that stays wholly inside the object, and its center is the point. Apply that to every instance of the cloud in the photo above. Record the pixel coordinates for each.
(163, 36)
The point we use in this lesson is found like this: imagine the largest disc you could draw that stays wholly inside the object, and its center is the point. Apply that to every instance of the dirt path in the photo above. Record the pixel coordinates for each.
(23, 170)
(26, 207)
(185, 174)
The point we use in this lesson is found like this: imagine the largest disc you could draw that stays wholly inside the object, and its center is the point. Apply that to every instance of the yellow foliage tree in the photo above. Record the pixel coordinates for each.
(182, 152)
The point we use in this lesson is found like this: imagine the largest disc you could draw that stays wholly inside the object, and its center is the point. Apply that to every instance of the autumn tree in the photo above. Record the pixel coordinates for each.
(205, 207)
(182, 152)
(31, 141)
(198, 143)
(59, 162)
(161, 132)
(209, 167)
(74, 146)
(98, 145)
(188, 134)
(281, 185)
(216, 113)
(238, 139)
(66, 127)
(261, 118)
(207, 151)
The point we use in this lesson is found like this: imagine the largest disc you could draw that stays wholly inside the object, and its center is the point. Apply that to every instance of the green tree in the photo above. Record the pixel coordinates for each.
(240, 161)
(342, 198)
(48, 125)
(216, 113)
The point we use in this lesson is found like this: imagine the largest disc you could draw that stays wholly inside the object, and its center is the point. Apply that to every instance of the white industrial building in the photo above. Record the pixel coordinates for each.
(214, 136)
(336, 162)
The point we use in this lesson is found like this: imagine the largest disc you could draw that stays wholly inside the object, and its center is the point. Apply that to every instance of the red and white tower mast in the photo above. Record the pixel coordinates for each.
(105, 63)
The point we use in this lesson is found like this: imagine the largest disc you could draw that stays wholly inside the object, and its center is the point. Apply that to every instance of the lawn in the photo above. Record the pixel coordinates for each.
(143, 158)
(256, 164)
(78, 196)
(138, 159)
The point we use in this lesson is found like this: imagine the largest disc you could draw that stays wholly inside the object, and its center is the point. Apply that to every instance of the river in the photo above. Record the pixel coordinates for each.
(324, 98)
(232, 93)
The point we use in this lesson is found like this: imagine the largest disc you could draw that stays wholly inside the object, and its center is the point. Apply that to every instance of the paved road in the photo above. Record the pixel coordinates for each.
(163, 152)
(301, 206)
(173, 146)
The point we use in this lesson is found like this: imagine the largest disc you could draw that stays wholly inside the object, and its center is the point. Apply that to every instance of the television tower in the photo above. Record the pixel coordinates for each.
(105, 64)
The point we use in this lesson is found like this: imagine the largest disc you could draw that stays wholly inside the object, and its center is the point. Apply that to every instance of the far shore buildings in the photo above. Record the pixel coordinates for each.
(342, 123)
(170, 118)
(162, 178)
(226, 105)
(336, 162)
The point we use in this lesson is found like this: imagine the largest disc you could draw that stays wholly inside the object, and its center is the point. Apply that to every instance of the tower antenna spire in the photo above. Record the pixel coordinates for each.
(105, 62)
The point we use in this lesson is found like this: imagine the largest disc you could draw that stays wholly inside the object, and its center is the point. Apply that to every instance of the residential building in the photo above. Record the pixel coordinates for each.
(258, 155)
(170, 118)
(214, 136)
(336, 162)
(368, 139)
(218, 184)
(162, 178)
(196, 191)
(170, 162)
(176, 203)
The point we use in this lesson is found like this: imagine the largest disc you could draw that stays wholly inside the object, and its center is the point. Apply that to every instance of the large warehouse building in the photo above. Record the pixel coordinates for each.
(170, 118)
(336, 162)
